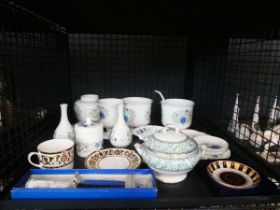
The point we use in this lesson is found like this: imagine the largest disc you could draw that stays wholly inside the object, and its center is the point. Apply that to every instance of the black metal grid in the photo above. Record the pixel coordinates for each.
(33, 59)
(248, 66)
(119, 65)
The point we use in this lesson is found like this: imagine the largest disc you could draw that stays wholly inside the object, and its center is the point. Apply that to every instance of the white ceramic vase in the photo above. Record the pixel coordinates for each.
(121, 135)
(87, 107)
(109, 113)
(64, 129)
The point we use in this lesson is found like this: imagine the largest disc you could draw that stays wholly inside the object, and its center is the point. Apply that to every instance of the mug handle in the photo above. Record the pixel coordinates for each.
(30, 161)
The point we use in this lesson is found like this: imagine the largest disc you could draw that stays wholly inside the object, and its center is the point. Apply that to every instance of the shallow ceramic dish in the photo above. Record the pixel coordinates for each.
(192, 133)
(224, 155)
(113, 158)
(214, 145)
(233, 174)
(144, 132)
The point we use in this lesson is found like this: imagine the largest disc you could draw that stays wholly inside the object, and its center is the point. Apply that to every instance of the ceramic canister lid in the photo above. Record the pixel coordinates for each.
(171, 142)
(88, 123)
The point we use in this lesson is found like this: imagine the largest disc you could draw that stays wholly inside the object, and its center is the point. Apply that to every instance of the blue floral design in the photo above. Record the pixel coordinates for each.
(125, 118)
(181, 117)
(101, 114)
(183, 120)
(97, 145)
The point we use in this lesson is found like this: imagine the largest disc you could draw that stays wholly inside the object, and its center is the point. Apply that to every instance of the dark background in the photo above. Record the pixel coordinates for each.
(159, 16)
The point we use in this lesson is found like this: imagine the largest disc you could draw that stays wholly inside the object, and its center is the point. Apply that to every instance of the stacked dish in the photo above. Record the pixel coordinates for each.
(216, 148)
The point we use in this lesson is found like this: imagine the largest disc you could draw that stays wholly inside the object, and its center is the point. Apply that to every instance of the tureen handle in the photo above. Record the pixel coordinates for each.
(172, 126)
(202, 149)
(139, 148)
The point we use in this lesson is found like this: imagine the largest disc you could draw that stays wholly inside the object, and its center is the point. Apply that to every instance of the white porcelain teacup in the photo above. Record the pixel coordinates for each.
(177, 111)
(54, 154)
(137, 111)
(109, 113)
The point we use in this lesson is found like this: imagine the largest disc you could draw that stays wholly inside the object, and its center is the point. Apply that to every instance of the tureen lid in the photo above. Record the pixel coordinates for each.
(170, 136)
(171, 142)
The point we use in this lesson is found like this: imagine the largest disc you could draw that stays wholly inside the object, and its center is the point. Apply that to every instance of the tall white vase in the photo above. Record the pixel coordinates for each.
(121, 135)
(64, 129)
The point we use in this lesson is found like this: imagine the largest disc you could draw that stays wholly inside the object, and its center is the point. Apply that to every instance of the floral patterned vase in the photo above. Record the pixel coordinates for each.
(64, 129)
(121, 135)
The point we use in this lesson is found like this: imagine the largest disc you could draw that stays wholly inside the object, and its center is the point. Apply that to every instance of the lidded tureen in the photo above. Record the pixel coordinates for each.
(170, 153)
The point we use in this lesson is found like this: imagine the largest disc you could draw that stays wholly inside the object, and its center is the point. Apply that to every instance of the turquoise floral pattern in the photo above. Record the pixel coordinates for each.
(170, 163)
(94, 114)
(181, 117)
(129, 115)
(87, 148)
(65, 135)
(180, 147)
(120, 136)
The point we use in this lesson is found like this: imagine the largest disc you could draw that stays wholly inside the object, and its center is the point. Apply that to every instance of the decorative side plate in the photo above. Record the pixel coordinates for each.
(145, 131)
(233, 174)
(113, 158)
(192, 133)
(214, 145)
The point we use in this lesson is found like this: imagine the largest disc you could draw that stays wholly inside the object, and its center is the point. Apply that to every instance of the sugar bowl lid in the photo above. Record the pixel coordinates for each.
(171, 141)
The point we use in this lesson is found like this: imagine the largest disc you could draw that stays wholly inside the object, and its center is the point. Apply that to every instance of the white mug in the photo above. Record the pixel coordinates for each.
(177, 111)
(137, 111)
(54, 153)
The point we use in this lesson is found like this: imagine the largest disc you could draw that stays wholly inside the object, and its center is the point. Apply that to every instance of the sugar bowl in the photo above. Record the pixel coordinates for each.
(171, 154)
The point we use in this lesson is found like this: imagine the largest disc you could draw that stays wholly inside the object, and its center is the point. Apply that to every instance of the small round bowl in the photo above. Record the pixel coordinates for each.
(233, 174)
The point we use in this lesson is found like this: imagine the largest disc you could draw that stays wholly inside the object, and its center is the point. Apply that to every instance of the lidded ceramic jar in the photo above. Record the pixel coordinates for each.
(86, 107)
(171, 154)
(89, 137)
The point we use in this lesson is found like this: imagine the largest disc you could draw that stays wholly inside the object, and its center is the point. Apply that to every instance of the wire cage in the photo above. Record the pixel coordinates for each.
(42, 65)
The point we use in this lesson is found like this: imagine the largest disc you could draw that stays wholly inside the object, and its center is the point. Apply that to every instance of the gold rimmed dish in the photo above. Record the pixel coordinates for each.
(233, 174)
(113, 158)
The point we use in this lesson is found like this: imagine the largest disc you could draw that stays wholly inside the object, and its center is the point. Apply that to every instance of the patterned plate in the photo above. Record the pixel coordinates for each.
(145, 131)
(192, 133)
(113, 158)
(214, 145)
(233, 174)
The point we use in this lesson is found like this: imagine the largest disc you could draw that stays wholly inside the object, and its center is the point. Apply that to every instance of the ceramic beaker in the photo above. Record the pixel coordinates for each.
(137, 111)
(177, 111)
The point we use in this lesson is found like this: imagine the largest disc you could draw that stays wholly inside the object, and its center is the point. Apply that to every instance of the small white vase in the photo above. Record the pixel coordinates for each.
(121, 135)
(64, 129)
